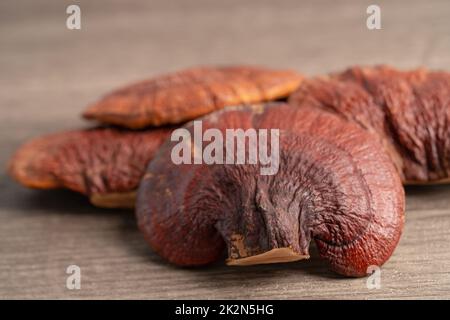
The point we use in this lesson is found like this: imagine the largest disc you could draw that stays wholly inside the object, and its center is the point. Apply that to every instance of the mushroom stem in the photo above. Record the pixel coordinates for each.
(260, 232)
(277, 255)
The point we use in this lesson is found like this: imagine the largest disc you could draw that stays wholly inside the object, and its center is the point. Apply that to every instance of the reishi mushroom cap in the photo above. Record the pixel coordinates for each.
(105, 164)
(409, 112)
(335, 185)
(180, 96)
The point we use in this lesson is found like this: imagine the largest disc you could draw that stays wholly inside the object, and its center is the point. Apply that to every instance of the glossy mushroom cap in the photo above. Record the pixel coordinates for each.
(104, 163)
(335, 185)
(180, 96)
(409, 111)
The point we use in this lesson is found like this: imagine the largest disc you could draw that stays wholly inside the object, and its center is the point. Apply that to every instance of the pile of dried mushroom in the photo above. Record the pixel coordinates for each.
(348, 141)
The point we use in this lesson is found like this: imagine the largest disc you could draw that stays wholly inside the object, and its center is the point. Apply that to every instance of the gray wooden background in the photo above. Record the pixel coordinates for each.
(49, 73)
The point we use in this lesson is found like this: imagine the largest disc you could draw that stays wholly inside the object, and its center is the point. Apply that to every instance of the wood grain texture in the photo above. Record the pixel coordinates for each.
(49, 74)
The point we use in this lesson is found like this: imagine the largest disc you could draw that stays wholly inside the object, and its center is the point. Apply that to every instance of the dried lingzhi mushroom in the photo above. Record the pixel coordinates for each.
(335, 185)
(177, 97)
(409, 112)
(104, 163)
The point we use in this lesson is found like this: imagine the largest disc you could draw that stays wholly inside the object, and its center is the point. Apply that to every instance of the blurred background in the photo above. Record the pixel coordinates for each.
(49, 73)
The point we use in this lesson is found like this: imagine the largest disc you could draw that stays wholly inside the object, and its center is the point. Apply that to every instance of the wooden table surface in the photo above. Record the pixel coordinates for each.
(49, 73)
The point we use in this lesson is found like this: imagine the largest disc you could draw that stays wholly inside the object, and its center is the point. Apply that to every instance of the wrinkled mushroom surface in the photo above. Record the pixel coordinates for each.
(104, 163)
(409, 111)
(335, 185)
(177, 97)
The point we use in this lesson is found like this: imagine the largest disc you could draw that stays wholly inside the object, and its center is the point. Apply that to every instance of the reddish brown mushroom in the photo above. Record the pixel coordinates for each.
(104, 163)
(177, 97)
(408, 111)
(335, 185)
